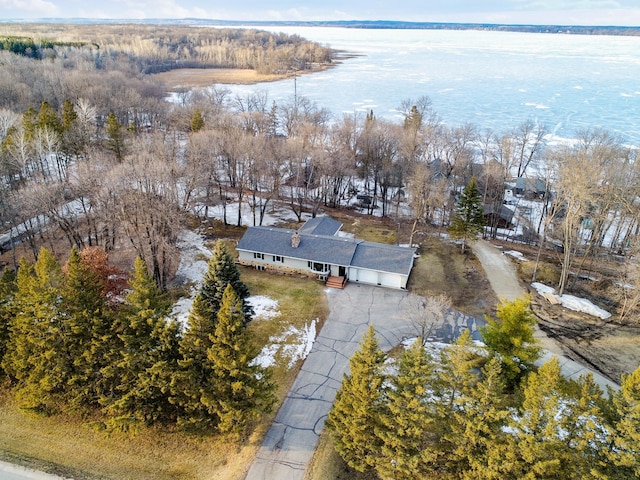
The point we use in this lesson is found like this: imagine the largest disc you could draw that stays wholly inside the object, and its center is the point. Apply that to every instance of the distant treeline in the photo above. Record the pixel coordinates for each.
(390, 24)
(154, 48)
(28, 47)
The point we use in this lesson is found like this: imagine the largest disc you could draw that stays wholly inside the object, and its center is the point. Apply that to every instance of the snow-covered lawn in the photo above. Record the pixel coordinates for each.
(573, 303)
(263, 307)
(290, 346)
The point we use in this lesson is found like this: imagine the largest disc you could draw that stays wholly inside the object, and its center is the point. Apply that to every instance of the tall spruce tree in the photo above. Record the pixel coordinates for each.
(406, 423)
(476, 434)
(243, 389)
(355, 415)
(626, 451)
(115, 136)
(193, 380)
(147, 356)
(221, 271)
(510, 338)
(8, 288)
(88, 333)
(468, 219)
(36, 360)
(197, 121)
(536, 448)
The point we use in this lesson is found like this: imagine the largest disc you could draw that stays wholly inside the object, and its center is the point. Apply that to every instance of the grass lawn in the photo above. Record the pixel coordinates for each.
(70, 447)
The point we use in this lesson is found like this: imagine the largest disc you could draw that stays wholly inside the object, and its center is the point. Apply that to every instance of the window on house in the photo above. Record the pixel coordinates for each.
(318, 267)
(258, 255)
(278, 258)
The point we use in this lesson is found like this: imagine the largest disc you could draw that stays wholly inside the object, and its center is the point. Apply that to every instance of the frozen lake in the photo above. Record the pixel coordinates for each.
(493, 80)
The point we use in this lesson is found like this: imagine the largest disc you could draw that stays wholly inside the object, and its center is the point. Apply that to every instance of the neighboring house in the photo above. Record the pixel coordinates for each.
(498, 216)
(316, 250)
(530, 187)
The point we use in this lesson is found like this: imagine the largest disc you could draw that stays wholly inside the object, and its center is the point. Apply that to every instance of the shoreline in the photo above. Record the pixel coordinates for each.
(205, 77)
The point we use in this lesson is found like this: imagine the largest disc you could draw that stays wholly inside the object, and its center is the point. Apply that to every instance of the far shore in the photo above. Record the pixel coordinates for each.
(204, 77)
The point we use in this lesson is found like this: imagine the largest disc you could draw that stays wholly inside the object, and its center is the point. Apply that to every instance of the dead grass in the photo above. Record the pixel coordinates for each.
(204, 77)
(68, 446)
(300, 301)
(327, 464)
(442, 269)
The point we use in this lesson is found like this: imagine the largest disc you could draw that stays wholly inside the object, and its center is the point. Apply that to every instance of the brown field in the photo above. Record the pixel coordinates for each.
(204, 77)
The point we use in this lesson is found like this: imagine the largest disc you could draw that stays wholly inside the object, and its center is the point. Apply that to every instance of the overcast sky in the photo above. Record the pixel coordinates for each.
(570, 12)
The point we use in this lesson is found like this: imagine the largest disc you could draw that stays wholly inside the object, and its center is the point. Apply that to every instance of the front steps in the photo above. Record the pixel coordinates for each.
(336, 282)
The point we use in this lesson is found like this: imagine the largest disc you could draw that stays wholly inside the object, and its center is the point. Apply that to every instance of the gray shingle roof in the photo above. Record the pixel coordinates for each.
(322, 225)
(329, 249)
(318, 248)
(383, 258)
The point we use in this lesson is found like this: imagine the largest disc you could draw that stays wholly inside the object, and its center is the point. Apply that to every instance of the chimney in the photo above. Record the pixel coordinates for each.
(295, 240)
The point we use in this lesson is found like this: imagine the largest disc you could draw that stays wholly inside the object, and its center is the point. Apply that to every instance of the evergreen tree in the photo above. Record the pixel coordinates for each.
(626, 451)
(468, 219)
(355, 414)
(35, 360)
(146, 358)
(192, 381)
(457, 378)
(197, 121)
(115, 136)
(243, 391)
(510, 338)
(69, 115)
(221, 271)
(29, 122)
(88, 333)
(406, 423)
(48, 118)
(476, 429)
(536, 448)
(586, 429)
(8, 289)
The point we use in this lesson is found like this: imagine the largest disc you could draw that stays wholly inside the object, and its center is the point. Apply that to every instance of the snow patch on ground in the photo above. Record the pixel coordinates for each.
(515, 254)
(263, 307)
(572, 302)
(290, 346)
(193, 265)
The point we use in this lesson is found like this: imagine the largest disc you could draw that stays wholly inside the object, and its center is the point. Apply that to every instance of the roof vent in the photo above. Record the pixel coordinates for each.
(295, 239)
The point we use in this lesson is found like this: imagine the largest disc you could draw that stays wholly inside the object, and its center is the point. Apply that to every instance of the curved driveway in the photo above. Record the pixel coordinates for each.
(290, 442)
(505, 283)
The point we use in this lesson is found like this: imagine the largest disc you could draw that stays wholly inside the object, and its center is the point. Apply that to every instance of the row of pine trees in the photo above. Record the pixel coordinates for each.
(71, 344)
(471, 412)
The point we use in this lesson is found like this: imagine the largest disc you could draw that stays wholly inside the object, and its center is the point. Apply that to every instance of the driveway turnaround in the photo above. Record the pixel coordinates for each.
(290, 442)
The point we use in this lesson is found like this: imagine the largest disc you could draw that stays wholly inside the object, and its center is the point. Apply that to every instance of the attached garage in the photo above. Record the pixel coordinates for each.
(379, 264)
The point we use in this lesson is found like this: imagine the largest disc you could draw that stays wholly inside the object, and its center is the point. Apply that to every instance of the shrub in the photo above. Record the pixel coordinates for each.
(547, 273)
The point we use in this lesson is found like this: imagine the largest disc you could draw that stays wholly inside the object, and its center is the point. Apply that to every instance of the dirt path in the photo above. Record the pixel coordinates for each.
(506, 284)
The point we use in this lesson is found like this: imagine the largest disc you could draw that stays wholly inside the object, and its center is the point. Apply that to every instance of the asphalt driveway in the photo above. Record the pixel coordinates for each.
(290, 442)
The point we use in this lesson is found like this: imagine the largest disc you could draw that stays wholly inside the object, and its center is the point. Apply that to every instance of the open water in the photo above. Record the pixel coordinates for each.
(494, 80)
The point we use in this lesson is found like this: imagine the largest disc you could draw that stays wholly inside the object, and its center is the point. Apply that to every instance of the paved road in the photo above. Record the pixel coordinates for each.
(290, 442)
(506, 284)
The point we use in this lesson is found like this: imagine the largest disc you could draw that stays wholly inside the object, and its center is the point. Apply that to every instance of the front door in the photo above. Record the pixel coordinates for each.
(342, 271)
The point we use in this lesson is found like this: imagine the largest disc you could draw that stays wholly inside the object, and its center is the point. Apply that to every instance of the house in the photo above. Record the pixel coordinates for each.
(316, 250)
(530, 187)
(498, 216)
